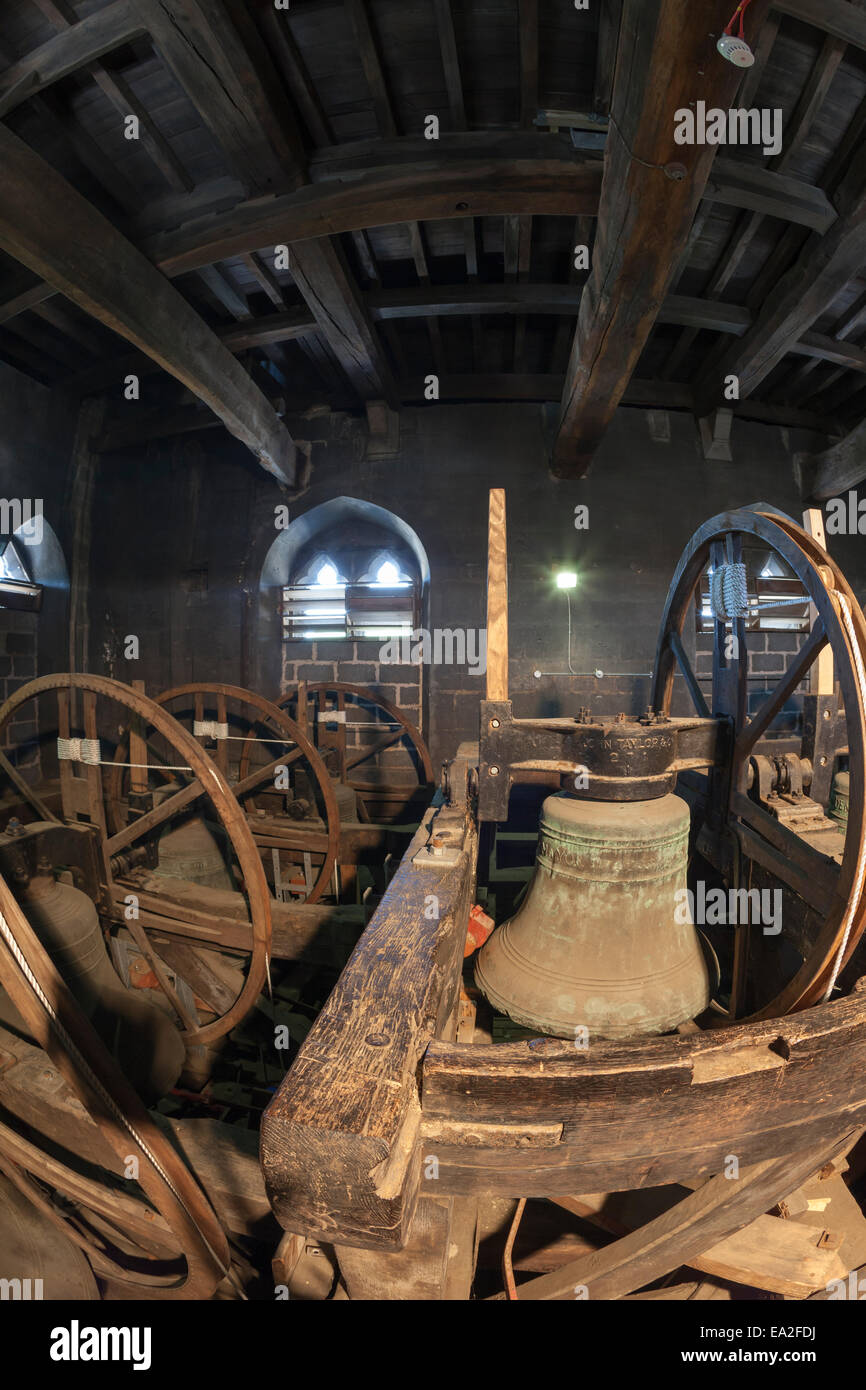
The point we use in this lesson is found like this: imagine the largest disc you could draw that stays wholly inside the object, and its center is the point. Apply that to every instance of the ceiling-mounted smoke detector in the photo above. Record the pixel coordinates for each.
(737, 51)
(733, 46)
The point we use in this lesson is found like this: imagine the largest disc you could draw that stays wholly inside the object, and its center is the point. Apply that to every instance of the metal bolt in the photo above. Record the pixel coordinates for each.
(494, 723)
(494, 771)
(826, 714)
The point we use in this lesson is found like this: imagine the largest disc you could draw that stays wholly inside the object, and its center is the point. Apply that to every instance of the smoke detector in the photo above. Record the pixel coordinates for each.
(733, 46)
(737, 51)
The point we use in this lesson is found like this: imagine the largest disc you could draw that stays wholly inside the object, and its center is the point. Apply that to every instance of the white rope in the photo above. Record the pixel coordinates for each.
(96, 1085)
(151, 767)
(79, 750)
(860, 874)
(729, 593)
(209, 728)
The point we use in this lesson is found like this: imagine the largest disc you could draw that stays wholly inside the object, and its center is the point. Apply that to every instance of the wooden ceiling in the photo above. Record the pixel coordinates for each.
(304, 127)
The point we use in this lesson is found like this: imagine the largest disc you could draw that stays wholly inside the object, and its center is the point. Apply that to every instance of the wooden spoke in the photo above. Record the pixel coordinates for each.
(158, 816)
(316, 694)
(796, 672)
(252, 715)
(255, 779)
(85, 794)
(688, 674)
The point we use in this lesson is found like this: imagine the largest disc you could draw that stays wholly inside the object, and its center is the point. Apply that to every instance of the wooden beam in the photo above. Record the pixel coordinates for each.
(804, 292)
(288, 58)
(841, 467)
(62, 16)
(84, 43)
(430, 189)
(89, 261)
(450, 63)
(497, 597)
(227, 74)
(322, 276)
(475, 174)
(26, 299)
(837, 17)
(667, 59)
(528, 48)
(371, 61)
(642, 393)
(609, 16)
(734, 182)
(796, 130)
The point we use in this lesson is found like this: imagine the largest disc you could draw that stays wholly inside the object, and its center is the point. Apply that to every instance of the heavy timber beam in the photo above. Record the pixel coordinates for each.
(248, 114)
(837, 469)
(469, 175)
(650, 193)
(823, 269)
(321, 275)
(86, 42)
(837, 17)
(88, 260)
(224, 68)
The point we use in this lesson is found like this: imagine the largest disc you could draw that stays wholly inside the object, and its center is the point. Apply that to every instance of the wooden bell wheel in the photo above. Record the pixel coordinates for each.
(835, 891)
(331, 696)
(168, 1243)
(209, 709)
(85, 795)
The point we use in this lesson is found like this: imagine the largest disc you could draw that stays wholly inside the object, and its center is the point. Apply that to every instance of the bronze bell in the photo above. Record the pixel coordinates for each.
(596, 942)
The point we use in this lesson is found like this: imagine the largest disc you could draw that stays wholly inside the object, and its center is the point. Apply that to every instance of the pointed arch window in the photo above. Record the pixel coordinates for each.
(17, 589)
(354, 595)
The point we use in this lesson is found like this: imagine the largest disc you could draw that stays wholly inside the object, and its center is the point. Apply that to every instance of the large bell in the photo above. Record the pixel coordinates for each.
(596, 942)
(190, 851)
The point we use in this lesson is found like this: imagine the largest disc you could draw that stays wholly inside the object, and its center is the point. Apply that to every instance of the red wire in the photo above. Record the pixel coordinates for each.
(738, 12)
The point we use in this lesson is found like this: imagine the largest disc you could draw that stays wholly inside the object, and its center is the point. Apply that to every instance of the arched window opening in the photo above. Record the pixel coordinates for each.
(353, 588)
(17, 589)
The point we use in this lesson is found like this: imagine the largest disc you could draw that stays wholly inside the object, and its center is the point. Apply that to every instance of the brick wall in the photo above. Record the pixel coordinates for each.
(357, 663)
(18, 638)
(645, 500)
(769, 654)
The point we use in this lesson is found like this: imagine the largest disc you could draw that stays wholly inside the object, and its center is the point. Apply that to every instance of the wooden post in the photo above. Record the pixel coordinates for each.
(821, 673)
(497, 598)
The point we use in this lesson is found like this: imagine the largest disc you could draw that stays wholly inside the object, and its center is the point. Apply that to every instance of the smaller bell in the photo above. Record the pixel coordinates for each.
(837, 808)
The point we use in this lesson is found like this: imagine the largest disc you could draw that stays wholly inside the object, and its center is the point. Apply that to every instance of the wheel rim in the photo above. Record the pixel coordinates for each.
(219, 695)
(209, 781)
(804, 556)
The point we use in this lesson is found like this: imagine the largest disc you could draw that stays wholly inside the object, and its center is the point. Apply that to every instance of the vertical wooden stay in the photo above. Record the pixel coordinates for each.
(497, 598)
(222, 748)
(138, 748)
(821, 674)
(95, 798)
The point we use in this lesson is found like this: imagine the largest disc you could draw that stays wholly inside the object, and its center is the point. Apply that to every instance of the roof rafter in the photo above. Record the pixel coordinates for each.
(93, 265)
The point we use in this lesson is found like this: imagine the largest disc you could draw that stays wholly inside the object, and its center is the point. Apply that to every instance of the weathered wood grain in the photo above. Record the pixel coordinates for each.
(650, 192)
(340, 1142)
